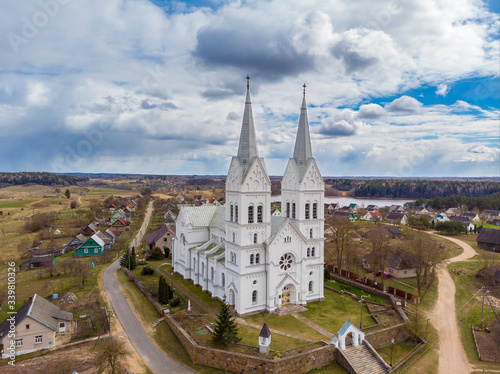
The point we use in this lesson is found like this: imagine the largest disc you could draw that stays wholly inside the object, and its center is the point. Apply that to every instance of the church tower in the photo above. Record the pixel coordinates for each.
(302, 194)
(247, 220)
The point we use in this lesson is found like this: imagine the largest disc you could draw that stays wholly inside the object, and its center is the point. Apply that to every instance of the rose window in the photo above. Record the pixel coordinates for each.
(286, 261)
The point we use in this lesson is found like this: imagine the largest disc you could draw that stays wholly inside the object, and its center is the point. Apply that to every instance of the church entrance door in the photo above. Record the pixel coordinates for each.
(285, 298)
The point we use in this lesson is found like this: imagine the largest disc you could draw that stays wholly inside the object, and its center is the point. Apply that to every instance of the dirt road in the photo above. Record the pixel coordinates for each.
(452, 357)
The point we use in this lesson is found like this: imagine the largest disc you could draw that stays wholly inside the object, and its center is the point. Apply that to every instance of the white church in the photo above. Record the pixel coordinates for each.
(260, 262)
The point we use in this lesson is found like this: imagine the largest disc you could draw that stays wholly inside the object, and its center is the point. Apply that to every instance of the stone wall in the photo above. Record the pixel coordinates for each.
(241, 363)
(382, 338)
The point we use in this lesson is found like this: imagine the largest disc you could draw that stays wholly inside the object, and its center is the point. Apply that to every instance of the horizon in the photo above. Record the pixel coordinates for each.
(158, 88)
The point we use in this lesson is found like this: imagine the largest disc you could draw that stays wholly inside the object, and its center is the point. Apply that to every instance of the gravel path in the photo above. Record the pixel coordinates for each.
(452, 357)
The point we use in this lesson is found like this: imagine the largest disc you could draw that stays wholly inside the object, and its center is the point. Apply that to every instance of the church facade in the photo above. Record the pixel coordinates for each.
(258, 261)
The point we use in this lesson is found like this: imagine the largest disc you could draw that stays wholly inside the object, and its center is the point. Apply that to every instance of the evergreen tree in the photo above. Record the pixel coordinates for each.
(226, 330)
(67, 193)
(128, 259)
(162, 291)
(133, 264)
(170, 292)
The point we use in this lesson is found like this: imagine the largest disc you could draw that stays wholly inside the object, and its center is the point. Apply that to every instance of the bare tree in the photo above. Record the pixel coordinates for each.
(110, 356)
(82, 272)
(428, 254)
(379, 239)
(340, 239)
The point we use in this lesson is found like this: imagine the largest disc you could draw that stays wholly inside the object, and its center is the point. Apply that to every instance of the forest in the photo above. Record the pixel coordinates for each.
(46, 179)
(411, 189)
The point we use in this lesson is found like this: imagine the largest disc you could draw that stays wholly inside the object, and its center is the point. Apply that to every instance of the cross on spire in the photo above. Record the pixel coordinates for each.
(304, 89)
(248, 82)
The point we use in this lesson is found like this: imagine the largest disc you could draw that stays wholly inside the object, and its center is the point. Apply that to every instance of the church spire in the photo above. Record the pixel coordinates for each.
(302, 151)
(247, 149)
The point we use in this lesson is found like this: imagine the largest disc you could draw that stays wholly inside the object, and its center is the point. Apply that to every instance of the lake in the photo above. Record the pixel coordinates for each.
(343, 201)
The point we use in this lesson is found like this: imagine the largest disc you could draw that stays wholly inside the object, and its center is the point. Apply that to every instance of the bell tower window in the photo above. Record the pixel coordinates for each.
(250, 214)
(307, 211)
(293, 210)
(315, 210)
(288, 209)
(259, 214)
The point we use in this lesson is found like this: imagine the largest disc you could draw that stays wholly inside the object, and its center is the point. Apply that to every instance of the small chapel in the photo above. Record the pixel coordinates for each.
(240, 251)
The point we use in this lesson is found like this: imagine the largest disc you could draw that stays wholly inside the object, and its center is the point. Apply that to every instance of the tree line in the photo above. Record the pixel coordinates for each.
(43, 178)
(491, 202)
(413, 189)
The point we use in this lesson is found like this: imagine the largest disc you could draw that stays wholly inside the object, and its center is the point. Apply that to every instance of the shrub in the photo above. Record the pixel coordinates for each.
(156, 254)
(167, 252)
(175, 302)
(147, 270)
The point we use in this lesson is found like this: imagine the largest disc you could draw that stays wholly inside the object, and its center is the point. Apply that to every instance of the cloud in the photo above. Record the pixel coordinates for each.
(442, 89)
(371, 111)
(344, 123)
(405, 104)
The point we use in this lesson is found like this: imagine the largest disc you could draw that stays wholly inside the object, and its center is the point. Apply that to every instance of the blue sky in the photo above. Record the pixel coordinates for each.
(394, 88)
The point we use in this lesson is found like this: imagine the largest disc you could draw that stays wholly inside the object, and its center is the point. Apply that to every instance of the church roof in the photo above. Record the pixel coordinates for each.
(199, 216)
(247, 149)
(277, 223)
(218, 219)
(303, 151)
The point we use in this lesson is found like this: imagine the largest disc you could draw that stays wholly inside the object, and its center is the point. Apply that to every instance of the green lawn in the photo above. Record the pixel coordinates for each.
(339, 286)
(15, 204)
(468, 307)
(335, 310)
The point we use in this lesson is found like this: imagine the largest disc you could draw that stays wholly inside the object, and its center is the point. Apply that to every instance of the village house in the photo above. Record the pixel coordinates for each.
(344, 215)
(394, 231)
(112, 207)
(397, 219)
(120, 224)
(471, 216)
(169, 218)
(91, 229)
(468, 225)
(37, 261)
(490, 274)
(93, 246)
(39, 324)
(489, 239)
(75, 243)
(106, 240)
(161, 238)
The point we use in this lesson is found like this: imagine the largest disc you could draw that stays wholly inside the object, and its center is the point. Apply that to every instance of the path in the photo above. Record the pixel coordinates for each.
(155, 359)
(452, 357)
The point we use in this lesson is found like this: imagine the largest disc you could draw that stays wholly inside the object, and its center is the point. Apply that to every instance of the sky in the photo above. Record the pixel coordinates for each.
(394, 88)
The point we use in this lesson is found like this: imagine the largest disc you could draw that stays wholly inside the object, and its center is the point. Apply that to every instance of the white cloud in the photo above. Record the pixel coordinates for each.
(405, 104)
(442, 90)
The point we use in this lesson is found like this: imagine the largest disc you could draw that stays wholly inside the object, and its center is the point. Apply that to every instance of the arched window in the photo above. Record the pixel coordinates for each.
(223, 280)
(254, 297)
(311, 233)
(293, 210)
(255, 238)
(183, 239)
(312, 252)
(308, 252)
(259, 214)
(257, 258)
(288, 209)
(236, 213)
(250, 214)
(315, 210)
(307, 211)
(232, 213)
(251, 259)
(311, 286)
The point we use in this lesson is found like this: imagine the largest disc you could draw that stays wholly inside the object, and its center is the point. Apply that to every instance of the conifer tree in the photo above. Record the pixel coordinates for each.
(162, 291)
(133, 264)
(226, 330)
(128, 259)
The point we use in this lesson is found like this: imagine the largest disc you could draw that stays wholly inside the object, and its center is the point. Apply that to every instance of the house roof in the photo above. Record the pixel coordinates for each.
(98, 240)
(393, 230)
(401, 260)
(105, 238)
(265, 332)
(111, 233)
(395, 216)
(489, 236)
(40, 310)
(464, 220)
(121, 221)
(39, 259)
(375, 214)
(470, 215)
(492, 271)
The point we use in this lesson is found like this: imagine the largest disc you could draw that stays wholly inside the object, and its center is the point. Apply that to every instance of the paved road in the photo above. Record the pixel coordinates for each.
(155, 359)
(452, 357)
